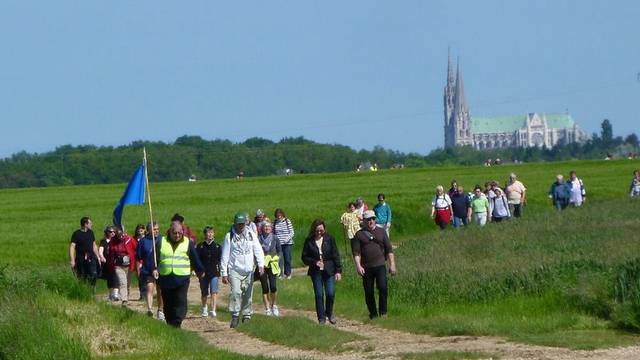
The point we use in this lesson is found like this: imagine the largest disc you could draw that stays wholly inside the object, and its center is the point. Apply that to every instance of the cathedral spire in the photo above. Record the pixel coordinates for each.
(450, 79)
(460, 101)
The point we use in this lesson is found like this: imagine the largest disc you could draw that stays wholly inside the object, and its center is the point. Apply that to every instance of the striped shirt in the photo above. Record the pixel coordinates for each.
(283, 230)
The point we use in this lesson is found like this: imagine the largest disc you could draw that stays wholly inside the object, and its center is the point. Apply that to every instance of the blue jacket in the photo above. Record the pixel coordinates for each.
(383, 213)
(144, 253)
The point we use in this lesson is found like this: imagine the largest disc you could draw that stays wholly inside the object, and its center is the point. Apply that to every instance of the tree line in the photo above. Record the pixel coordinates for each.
(207, 159)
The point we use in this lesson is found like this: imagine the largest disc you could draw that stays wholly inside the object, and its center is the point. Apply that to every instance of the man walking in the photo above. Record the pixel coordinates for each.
(559, 193)
(83, 252)
(461, 205)
(177, 257)
(371, 249)
(241, 251)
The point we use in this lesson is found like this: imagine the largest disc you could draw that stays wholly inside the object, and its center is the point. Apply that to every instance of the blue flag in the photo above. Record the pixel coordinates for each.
(134, 194)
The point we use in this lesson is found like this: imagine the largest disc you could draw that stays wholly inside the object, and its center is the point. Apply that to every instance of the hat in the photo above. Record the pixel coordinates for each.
(259, 212)
(240, 218)
(368, 214)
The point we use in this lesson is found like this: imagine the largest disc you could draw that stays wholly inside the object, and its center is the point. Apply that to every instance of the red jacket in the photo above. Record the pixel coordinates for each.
(121, 247)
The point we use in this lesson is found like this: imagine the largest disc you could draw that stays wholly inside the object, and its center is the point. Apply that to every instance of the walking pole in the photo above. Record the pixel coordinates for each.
(146, 179)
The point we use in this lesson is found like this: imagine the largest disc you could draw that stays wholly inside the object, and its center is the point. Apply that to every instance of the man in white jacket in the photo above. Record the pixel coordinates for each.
(240, 252)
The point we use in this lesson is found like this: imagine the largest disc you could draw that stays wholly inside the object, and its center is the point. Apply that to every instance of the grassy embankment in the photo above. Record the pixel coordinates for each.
(538, 280)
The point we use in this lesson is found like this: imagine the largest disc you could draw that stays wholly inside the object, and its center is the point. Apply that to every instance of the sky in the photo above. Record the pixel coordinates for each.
(358, 73)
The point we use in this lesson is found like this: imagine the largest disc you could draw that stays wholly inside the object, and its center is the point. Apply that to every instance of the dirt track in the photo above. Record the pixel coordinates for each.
(379, 343)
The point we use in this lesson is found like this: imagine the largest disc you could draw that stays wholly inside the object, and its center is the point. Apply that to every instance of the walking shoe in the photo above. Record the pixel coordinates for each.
(246, 319)
(288, 277)
(125, 303)
(115, 297)
(322, 321)
(204, 312)
(213, 313)
(275, 311)
(149, 313)
(268, 312)
(332, 319)
(161, 315)
(234, 322)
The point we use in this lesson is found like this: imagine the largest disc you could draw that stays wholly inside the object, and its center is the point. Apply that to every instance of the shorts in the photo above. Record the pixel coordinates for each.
(209, 286)
(146, 279)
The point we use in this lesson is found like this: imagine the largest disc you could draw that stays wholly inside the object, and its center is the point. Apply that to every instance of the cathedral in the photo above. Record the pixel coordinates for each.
(533, 129)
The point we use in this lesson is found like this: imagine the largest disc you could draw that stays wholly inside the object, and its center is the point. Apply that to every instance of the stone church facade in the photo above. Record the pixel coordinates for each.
(533, 129)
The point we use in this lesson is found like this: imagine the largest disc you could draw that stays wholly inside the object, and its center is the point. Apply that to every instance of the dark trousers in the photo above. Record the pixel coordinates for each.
(378, 275)
(267, 281)
(175, 303)
(323, 284)
(87, 270)
(516, 210)
(286, 255)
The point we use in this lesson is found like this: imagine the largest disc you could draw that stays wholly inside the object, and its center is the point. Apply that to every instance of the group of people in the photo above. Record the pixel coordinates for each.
(252, 250)
(491, 203)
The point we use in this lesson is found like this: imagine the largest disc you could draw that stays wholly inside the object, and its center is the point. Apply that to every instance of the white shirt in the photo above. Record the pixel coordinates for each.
(441, 201)
(239, 252)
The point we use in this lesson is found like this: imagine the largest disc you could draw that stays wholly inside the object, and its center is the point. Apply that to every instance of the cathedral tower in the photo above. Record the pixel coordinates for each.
(457, 120)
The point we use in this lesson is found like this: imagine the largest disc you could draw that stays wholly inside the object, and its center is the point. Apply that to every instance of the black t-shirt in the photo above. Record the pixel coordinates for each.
(84, 241)
(460, 204)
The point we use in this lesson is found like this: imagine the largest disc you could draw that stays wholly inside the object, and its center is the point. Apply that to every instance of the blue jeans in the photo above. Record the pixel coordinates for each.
(286, 257)
(457, 222)
(561, 204)
(322, 281)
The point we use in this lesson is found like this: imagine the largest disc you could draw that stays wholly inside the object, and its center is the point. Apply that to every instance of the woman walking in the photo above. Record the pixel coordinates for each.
(283, 231)
(105, 272)
(121, 262)
(441, 210)
(499, 206)
(321, 254)
(268, 279)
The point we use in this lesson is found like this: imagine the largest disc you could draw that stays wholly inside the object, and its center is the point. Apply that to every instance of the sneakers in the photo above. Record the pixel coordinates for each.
(288, 277)
(268, 312)
(125, 303)
(149, 313)
(275, 311)
(234, 322)
(161, 315)
(205, 312)
(212, 313)
(246, 319)
(332, 319)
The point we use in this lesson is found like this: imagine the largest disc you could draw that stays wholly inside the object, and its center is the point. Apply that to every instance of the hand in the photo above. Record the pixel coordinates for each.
(338, 277)
(261, 270)
(360, 270)
(392, 270)
(319, 263)
(225, 280)
(156, 274)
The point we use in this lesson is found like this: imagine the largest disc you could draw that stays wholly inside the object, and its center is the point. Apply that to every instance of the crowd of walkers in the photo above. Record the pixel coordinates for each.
(260, 249)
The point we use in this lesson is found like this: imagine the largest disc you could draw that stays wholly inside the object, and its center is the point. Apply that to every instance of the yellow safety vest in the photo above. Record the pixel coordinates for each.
(176, 262)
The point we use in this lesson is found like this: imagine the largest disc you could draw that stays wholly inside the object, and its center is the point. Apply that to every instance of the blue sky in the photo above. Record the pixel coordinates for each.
(360, 73)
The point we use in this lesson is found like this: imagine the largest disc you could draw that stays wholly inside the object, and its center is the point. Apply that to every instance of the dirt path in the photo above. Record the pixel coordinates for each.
(379, 343)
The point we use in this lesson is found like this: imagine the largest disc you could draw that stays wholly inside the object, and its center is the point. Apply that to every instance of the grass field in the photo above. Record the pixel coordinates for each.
(567, 280)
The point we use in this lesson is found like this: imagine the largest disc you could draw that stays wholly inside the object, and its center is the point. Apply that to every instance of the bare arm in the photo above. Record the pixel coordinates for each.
(392, 264)
(359, 268)
(72, 254)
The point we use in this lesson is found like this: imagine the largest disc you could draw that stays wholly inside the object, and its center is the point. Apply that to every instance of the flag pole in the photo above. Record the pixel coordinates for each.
(146, 179)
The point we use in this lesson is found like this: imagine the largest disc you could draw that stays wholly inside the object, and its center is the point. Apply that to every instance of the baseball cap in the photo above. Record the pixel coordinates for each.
(240, 218)
(369, 214)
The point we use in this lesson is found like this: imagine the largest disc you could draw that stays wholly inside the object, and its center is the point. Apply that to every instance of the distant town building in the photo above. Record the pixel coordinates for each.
(533, 129)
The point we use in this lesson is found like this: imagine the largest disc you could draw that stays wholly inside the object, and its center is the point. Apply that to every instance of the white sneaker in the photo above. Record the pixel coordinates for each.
(267, 312)
(213, 313)
(288, 277)
(161, 315)
(204, 312)
(275, 311)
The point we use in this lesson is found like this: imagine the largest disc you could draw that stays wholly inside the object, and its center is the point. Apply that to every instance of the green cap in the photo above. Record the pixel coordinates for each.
(240, 218)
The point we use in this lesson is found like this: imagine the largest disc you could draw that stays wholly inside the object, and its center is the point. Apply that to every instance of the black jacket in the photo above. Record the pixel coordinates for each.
(330, 255)
(210, 256)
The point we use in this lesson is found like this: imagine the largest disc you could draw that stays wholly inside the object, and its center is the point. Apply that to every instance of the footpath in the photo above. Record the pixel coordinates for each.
(378, 342)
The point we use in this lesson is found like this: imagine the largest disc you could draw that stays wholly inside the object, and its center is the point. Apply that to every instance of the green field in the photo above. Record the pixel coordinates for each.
(567, 279)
